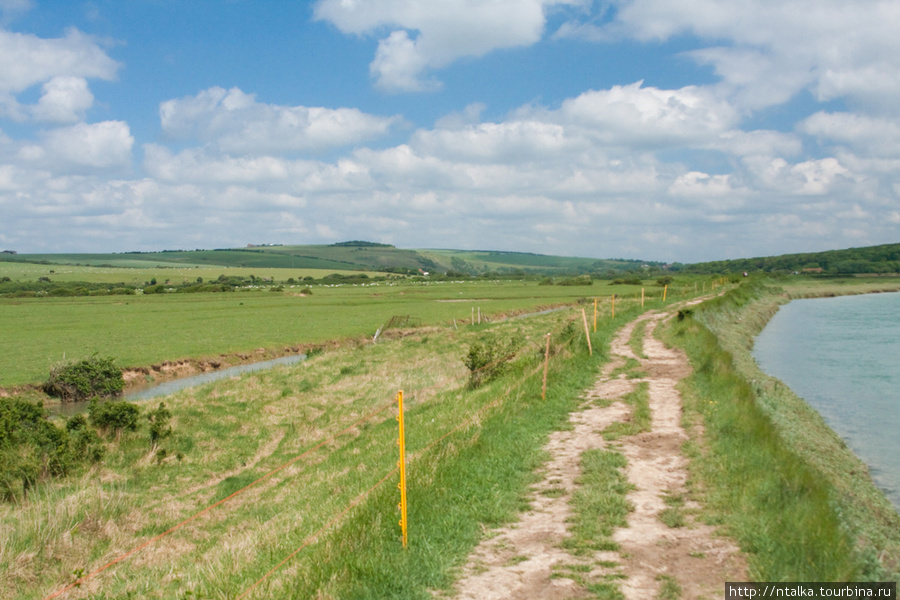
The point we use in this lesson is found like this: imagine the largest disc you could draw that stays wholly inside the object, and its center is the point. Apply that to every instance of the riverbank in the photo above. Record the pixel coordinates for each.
(866, 517)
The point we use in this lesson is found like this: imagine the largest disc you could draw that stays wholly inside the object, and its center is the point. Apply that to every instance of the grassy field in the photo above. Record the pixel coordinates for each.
(144, 330)
(140, 274)
(330, 423)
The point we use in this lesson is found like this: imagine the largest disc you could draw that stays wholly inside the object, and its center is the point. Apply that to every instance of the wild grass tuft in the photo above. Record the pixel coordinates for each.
(599, 505)
(639, 421)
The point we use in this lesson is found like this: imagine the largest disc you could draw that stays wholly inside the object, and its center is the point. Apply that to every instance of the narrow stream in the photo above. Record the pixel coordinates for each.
(67, 409)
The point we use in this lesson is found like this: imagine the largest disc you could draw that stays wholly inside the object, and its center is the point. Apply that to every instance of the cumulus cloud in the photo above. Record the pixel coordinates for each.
(65, 100)
(103, 146)
(59, 63)
(871, 136)
(631, 117)
(430, 34)
(694, 184)
(773, 50)
(234, 122)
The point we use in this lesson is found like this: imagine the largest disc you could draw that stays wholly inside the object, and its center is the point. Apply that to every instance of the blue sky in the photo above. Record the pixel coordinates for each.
(674, 130)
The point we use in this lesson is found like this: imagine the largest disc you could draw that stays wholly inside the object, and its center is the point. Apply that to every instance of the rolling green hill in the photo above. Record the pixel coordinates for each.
(369, 256)
(364, 256)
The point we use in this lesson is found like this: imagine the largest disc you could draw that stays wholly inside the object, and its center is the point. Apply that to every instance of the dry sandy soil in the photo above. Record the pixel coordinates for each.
(527, 560)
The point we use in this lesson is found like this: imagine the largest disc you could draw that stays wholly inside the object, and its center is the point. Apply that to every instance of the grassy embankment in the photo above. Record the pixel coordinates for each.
(229, 434)
(770, 471)
(139, 331)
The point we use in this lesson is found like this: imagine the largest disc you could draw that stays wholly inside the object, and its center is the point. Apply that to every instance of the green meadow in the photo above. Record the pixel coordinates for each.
(138, 272)
(142, 330)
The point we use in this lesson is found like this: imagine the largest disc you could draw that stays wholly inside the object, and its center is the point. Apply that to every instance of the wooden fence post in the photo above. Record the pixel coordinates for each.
(587, 332)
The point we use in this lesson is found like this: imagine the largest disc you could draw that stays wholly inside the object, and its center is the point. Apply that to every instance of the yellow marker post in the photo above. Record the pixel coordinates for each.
(665, 290)
(402, 465)
(642, 297)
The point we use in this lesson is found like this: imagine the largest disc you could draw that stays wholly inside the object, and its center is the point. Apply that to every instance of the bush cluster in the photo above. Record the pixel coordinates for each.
(114, 417)
(627, 281)
(88, 378)
(32, 448)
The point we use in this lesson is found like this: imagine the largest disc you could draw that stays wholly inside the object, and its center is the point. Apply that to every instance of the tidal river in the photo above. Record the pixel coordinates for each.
(842, 355)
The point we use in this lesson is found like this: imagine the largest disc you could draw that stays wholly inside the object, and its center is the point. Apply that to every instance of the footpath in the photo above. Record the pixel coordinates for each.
(682, 559)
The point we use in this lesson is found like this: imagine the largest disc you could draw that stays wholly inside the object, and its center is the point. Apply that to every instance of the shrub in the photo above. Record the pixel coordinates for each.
(488, 360)
(628, 281)
(159, 423)
(31, 447)
(580, 280)
(85, 379)
(115, 416)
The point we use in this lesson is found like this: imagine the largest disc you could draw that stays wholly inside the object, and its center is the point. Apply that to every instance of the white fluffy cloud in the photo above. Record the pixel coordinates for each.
(65, 100)
(234, 122)
(626, 170)
(870, 136)
(430, 34)
(103, 146)
(765, 51)
(59, 64)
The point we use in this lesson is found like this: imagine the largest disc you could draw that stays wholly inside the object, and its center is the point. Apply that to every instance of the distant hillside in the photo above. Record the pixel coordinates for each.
(870, 259)
(371, 256)
(475, 262)
(354, 255)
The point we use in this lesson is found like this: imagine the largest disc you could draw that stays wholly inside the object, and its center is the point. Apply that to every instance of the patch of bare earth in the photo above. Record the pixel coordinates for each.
(527, 559)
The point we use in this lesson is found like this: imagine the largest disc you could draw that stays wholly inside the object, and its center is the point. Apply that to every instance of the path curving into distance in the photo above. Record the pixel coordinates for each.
(527, 559)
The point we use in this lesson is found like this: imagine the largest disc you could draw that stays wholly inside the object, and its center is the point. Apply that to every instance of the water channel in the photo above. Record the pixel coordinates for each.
(842, 355)
(165, 388)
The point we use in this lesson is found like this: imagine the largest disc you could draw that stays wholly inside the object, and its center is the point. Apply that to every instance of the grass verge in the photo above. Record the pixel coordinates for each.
(774, 475)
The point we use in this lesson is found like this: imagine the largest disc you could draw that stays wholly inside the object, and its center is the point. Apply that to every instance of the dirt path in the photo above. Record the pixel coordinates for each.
(527, 560)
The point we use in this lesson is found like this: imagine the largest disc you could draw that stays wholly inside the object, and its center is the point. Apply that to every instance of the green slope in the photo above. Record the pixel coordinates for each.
(345, 256)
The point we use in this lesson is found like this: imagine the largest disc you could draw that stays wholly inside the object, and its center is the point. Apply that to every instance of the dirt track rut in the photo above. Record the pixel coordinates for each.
(526, 560)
